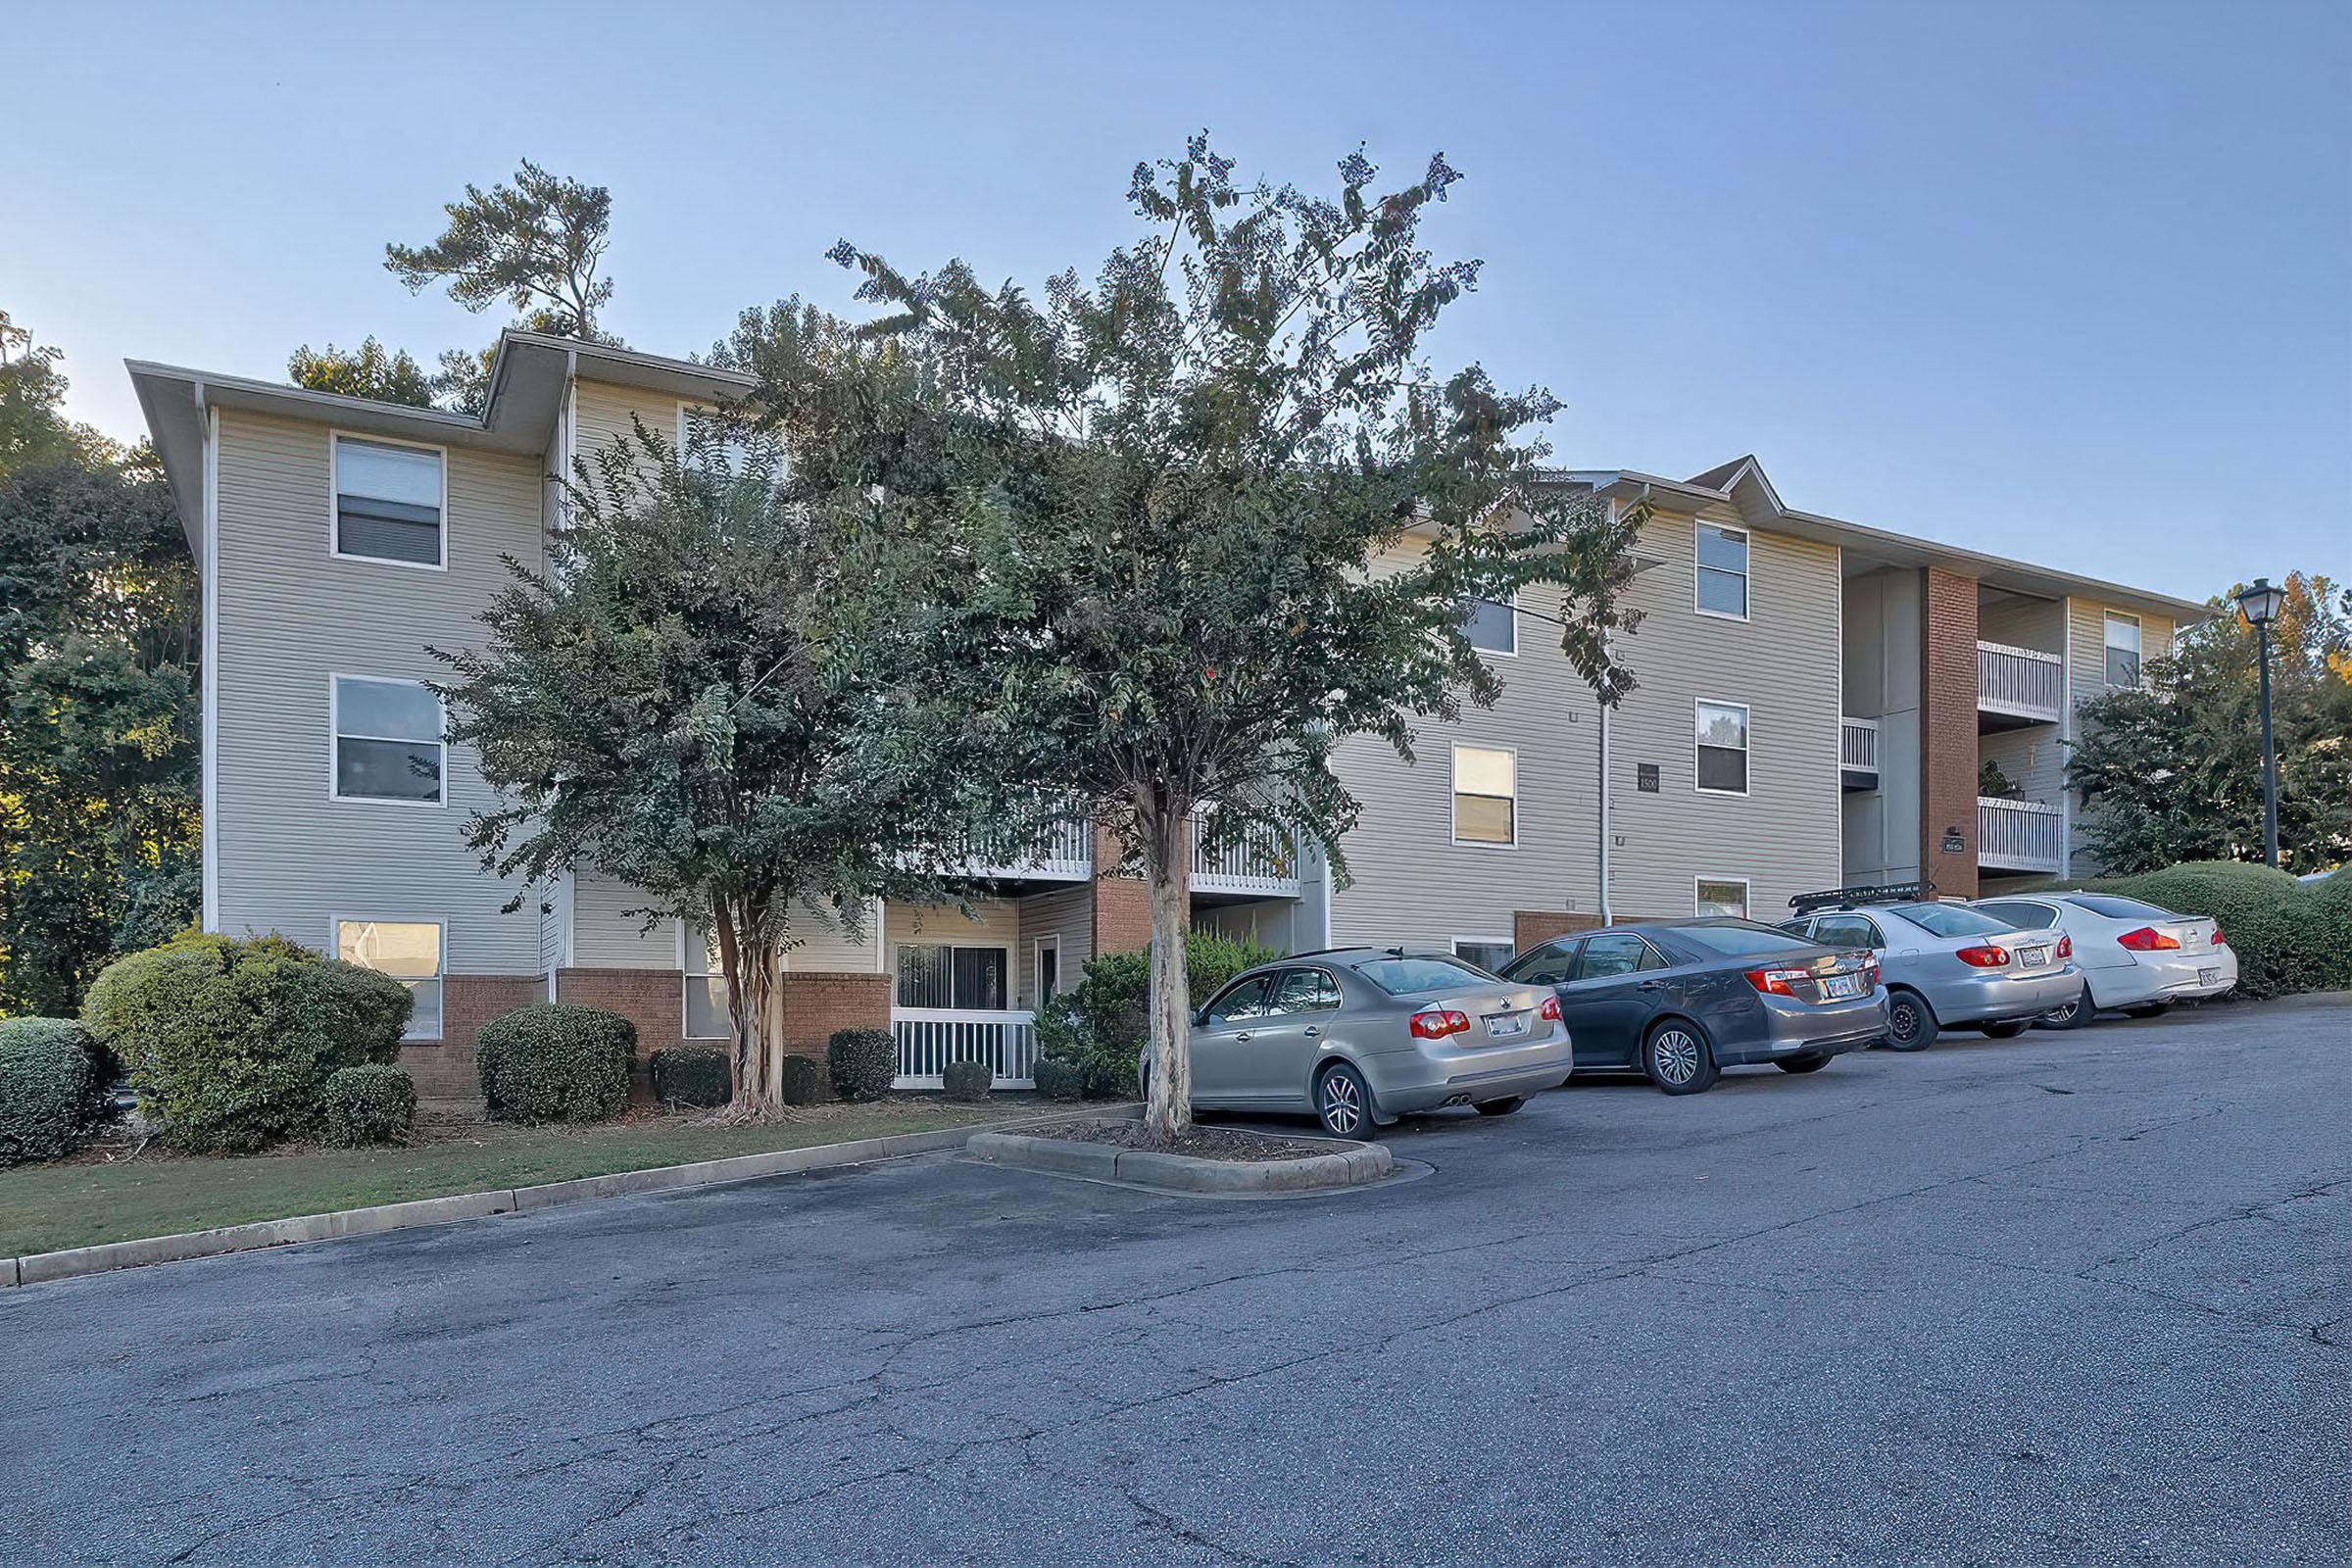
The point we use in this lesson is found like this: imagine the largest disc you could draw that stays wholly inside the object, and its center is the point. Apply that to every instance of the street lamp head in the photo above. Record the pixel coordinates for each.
(2260, 602)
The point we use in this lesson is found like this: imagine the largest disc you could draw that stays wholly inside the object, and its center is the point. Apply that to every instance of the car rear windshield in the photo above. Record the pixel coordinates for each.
(1951, 920)
(1405, 977)
(2115, 909)
(1743, 941)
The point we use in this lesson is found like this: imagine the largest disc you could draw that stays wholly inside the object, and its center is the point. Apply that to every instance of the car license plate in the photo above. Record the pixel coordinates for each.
(2032, 958)
(1839, 986)
(1503, 1025)
(2206, 977)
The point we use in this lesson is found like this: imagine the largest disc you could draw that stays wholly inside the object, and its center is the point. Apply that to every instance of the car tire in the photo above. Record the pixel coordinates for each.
(1808, 1063)
(1343, 1101)
(2007, 1029)
(1676, 1057)
(1910, 1022)
(2148, 1009)
(1499, 1108)
(2079, 1013)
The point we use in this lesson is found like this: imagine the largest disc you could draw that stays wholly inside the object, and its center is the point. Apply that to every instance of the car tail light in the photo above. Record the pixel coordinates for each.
(1551, 1010)
(1777, 981)
(2218, 939)
(1984, 957)
(2066, 947)
(1436, 1023)
(2148, 939)
(1870, 977)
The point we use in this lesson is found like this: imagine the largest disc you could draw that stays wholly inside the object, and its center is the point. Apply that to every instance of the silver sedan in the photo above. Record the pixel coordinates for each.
(1360, 1036)
(1946, 965)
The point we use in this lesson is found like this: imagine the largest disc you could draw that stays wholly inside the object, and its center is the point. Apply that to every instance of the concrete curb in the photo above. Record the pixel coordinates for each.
(33, 1268)
(1349, 1164)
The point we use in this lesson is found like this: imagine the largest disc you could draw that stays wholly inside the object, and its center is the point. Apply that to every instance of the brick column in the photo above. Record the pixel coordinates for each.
(1123, 905)
(1947, 731)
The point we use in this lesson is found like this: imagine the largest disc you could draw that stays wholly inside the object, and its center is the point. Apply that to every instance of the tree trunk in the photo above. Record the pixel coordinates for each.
(747, 953)
(1169, 1110)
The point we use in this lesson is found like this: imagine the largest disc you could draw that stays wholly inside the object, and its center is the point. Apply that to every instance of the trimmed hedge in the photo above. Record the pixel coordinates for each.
(554, 1062)
(801, 1081)
(1100, 1025)
(48, 1071)
(370, 1104)
(864, 1062)
(692, 1076)
(2289, 935)
(968, 1081)
(229, 1040)
(1057, 1079)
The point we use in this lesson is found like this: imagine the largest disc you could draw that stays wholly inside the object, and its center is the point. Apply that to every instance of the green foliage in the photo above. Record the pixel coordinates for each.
(967, 1082)
(33, 428)
(864, 1062)
(369, 371)
(370, 1104)
(229, 1042)
(2289, 936)
(553, 1061)
(1059, 1079)
(48, 1088)
(535, 243)
(691, 1075)
(802, 1081)
(1994, 784)
(1097, 1027)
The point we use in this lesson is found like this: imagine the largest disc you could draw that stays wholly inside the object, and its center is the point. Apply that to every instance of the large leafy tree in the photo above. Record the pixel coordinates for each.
(369, 371)
(2174, 772)
(1190, 526)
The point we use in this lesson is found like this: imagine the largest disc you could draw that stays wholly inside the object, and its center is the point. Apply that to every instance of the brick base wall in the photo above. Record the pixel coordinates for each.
(1534, 927)
(444, 1069)
(815, 1003)
(654, 1000)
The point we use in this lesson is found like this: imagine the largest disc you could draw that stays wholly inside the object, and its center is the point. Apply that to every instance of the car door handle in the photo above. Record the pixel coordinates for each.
(1649, 985)
(1312, 1031)
(1242, 1035)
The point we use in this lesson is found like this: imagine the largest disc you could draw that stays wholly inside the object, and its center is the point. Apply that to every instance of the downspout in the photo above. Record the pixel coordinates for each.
(207, 602)
(1605, 917)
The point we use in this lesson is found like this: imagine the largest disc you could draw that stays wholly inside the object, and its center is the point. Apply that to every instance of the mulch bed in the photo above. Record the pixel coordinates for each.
(1202, 1142)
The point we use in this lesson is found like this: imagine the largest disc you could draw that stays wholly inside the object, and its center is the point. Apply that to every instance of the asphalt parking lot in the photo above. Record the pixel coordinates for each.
(2069, 1298)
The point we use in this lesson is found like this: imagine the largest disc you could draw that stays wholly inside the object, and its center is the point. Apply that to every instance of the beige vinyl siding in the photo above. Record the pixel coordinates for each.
(288, 615)
(610, 929)
(2019, 623)
(822, 945)
(1784, 666)
(1066, 913)
(604, 414)
(2033, 759)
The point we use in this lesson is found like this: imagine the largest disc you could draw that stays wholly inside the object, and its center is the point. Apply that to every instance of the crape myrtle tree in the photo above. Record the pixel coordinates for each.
(685, 699)
(1194, 525)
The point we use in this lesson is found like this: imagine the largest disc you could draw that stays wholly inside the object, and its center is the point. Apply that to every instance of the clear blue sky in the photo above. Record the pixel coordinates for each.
(2069, 281)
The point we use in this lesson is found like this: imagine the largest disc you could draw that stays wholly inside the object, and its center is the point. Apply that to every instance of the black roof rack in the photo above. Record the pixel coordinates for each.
(1863, 893)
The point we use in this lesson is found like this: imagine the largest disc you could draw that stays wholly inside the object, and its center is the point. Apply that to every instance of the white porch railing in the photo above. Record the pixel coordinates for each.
(1858, 745)
(1258, 862)
(930, 1038)
(2022, 682)
(2019, 836)
(1066, 855)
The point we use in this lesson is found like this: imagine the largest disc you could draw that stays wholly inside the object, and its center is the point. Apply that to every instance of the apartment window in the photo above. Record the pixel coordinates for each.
(1490, 956)
(708, 1015)
(2123, 650)
(1722, 749)
(388, 744)
(938, 975)
(1722, 895)
(1485, 796)
(1492, 628)
(409, 952)
(388, 501)
(1723, 570)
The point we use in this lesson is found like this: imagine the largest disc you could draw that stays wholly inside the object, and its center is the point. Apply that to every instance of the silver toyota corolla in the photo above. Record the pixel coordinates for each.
(1949, 966)
(1360, 1036)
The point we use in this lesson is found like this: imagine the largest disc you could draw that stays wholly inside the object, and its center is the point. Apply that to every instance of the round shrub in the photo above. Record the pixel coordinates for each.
(864, 1062)
(801, 1081)
(46, 1095)
(1099, 1026)
(553, 1061)
(229, 1040)
(370, 1104)
(692, 1076)
(968, 1081)
(1059, 1079)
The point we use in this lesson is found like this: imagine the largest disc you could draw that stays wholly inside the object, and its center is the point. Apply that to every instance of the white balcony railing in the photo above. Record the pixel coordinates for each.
(1858, 745)
(1258, 862)
(1067, 855)
(2019, 836)
(930, 1038)
(2020, 682)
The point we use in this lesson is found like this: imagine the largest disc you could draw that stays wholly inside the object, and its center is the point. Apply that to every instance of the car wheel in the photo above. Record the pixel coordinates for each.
(1499, 1108)
(1910, 1021)
(1343, 1101)
(2007, 1029)
(1676, 1059)
(2076, 1014)
(2148, 1009)
(1802, 1064)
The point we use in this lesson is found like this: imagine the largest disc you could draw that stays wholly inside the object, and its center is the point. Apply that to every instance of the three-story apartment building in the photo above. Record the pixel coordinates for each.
(1816, 699)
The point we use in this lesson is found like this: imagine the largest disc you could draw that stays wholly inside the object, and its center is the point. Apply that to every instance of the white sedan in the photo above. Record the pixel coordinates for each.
(2133, 955)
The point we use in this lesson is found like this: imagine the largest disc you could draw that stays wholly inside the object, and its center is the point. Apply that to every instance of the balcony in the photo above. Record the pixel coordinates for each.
(1066, 855)
(1258, 865)
(930, 1038)
(2017, 686)
(2019, 836)
(1858, 754)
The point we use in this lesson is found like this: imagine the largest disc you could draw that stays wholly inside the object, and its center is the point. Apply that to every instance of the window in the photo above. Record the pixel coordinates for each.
(1721, 572)
(388, 742)
(935, 974)
(1949, 919)
(2123, 650)
(1049, 970)
(1304, 991)
(707, 1017)
(1405, 977)
(1847, 931)
(2023, 916)
(1488, 955)
(409, 952)
(1243, 1001)
(1617, 953)
(1491, 627)
(1722, 749)
(1552, 964)
(1722, 895)
(1485, 796)
(388, 501)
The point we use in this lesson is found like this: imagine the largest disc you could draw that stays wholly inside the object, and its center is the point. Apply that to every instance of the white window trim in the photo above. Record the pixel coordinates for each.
(1455, 944)
(334, 742)
(440, 922)
(1747, 894)
(1747, 727)
(1511, 651)
(1453, 797)
(334, 459)
(687, 977)
(1748, 578)
(2139, 628)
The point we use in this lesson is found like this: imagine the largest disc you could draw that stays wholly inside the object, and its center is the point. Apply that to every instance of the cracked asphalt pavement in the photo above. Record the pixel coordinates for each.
(2068, 1298)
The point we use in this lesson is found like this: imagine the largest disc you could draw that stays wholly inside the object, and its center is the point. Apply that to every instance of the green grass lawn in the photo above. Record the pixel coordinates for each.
(82, 1202)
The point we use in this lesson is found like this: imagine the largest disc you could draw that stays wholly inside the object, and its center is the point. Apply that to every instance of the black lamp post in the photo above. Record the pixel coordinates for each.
(2260, 604)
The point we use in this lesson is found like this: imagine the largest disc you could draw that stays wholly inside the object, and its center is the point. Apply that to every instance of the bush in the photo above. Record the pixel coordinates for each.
(968, 1081)
(801, 1080)
(47, 1100)
(370, 1104)
(553, 1061)
(864, 1062)
(1099, 1026)
(229, 1040)
(692, 1076)
(2289, 935)
(1059, 1079)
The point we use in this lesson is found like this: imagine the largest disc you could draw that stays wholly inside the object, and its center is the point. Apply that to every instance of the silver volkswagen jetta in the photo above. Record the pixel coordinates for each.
(1360, 1036)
